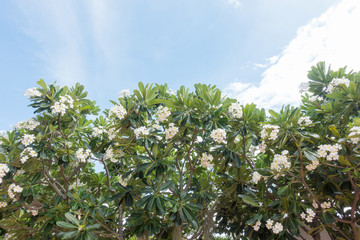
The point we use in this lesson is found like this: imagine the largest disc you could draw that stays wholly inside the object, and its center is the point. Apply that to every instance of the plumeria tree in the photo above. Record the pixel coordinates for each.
(184, 165)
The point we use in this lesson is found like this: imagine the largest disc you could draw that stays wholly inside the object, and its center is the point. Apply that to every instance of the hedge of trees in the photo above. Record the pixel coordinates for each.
(184, 165)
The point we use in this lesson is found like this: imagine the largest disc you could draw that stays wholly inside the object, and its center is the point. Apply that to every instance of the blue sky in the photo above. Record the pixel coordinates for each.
(250, 49)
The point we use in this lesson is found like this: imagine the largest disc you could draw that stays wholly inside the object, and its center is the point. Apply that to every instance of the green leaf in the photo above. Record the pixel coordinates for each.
(282, 190)
(249, 200)
(92, 226)
(334, 131)
(344, 161)
(72, 218)
(68, 235)
(66, 225)
(36, 177)
(310, 155)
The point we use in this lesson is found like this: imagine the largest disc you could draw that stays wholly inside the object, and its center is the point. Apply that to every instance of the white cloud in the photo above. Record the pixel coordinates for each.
(235, 3)
(333, 37)
(55, 26)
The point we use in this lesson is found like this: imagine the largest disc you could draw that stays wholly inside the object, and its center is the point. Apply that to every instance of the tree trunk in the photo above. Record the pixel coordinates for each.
(177, 233)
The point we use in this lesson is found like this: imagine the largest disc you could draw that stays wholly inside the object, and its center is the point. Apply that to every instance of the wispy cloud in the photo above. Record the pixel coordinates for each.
(55, 26)
(235, 3)
(332, 37)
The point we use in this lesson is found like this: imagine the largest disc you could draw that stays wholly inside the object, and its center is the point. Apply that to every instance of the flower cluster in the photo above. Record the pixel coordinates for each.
(304, 122)
(218, 135)
(112, 133)
(83, 155)
(262, 147)
(257, 226)
(33, 92)
(329, 152)
(309, 215)
(280, 161)
(97, 131)
(163, 113)
(24, 155)
(31, 124)
(235, 110)
(314, 164)
(354, 131)
(140, 132)
(113, 155)
(3, 204)
(13, 188)
(156, 126)
(276, 228)
(28, 139)
(336, 82)
(171, 131)
(62, 105)
(256, 177)
(269, 132)
(325, 205)
(117, 111)
(206, 160)
(125, 93)
(304, 87)
(4, 169)
(315, 98)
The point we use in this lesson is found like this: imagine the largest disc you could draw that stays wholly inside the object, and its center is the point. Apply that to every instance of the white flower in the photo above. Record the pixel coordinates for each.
(4, 169)
(262, 147)
(303, 215)
(280, 162)
(309, 218)
(269, 224)
(304, 122)
(24, 155)
(33, 92)
(171, 131)
(83, 155)
(206, 160)
(310, 212)
(313, 165)
(163, 113)
(3, 204)
(141, 132)
(269, 132)
(315, 98)
(125, 93)
(97, 131)
(113, 155)
(28, 139)
(257, 226)
(336, 82)
(256, 177)
(13, 188)
(60, 107)
(117, 111)
(277, 228)
(314, 204)
(31, 124)
(112, 133)
(304, 87)
(326, 205)
(329, 151)
(218, 135)
(354, 131)
(235, 110)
